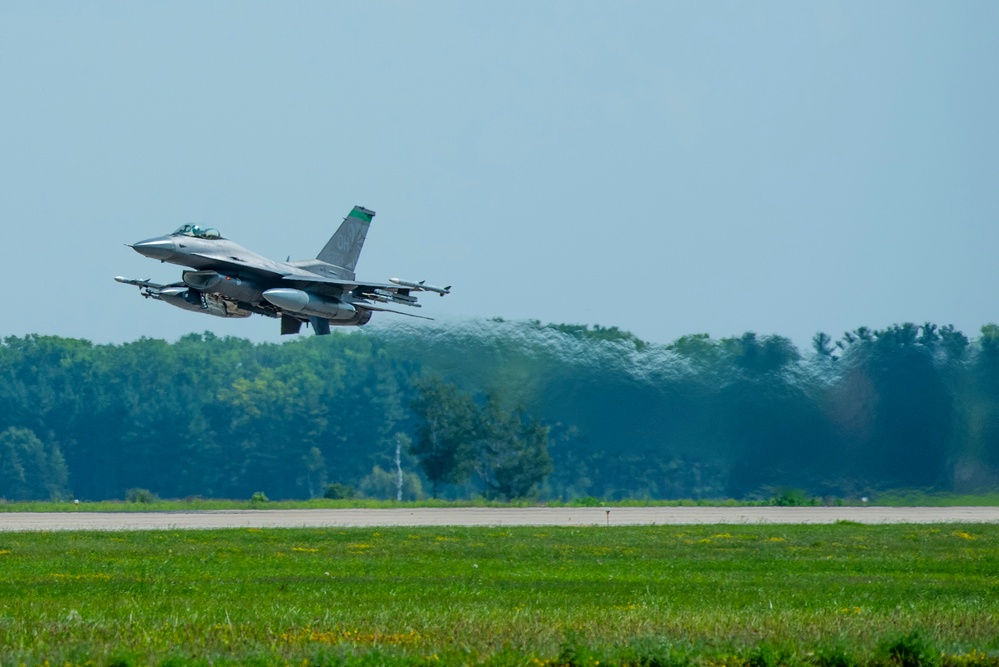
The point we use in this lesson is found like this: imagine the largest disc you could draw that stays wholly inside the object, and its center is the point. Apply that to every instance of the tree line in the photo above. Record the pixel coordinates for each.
(501, 409)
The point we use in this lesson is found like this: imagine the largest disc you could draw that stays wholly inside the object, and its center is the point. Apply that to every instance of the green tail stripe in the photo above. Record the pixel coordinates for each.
(360, 215)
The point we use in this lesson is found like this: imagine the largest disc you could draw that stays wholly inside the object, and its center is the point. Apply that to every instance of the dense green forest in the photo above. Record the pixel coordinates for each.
(501, 409)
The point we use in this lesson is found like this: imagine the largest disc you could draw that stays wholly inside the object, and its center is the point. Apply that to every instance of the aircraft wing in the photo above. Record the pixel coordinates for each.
(394, 284)
(235, 263)
(364, 293)
(346, 285)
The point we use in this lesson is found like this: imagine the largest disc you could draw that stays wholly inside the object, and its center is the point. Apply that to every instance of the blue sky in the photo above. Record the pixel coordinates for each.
(667, 168)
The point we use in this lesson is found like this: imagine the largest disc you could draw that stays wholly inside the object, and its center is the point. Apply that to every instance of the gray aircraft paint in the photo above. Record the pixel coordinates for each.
(229, 280)
(344, 248)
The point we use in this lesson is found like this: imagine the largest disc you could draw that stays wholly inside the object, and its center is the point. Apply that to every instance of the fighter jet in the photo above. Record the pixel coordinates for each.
(227, 280)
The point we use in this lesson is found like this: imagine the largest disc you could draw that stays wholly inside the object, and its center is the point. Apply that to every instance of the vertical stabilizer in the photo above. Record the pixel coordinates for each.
(344, 247)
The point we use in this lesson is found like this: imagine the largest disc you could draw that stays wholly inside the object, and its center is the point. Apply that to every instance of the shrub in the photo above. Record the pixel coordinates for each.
(338, 491)
(259, 497)
(787, 497)
(142, 496)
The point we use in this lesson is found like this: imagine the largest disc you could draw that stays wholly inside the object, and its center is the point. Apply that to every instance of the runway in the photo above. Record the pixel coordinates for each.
(492, 516)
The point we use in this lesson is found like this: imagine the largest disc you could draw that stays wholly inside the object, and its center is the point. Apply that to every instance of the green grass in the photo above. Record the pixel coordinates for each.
(740, 596)
(924, 499)
(160, 505)
(892, 499)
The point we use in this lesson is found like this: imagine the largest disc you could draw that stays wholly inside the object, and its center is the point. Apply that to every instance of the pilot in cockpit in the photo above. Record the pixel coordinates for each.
(197, 232)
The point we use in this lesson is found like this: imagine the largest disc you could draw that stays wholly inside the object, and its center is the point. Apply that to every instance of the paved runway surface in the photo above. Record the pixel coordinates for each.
(476, 516)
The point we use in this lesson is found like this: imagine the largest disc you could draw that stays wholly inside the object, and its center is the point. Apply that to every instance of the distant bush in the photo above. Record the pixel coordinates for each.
(787, 497)
(338, 491)
(141, 496)
(259, 497)
(381, 483)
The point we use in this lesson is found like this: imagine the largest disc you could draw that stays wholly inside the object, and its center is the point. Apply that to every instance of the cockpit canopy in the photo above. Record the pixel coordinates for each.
(197, 231)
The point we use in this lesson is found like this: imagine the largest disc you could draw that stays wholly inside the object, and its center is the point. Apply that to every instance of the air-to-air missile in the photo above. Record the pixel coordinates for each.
(422, 285)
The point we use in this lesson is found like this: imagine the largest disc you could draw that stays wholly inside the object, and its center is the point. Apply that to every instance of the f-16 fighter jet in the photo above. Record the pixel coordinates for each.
(227, 280)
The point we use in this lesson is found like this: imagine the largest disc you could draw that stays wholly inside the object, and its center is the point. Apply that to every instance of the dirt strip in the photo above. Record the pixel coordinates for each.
(491, 516)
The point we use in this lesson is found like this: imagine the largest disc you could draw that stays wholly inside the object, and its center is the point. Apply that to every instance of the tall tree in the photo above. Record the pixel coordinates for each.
(447, 429)
(511, 456)
(28, 469)
(907, 411)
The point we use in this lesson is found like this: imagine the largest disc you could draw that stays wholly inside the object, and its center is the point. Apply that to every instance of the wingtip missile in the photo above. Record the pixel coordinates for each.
(137, 283)
(422, 285)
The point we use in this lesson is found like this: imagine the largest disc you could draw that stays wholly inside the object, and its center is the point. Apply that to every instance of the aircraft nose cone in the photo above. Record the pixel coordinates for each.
(158, 248)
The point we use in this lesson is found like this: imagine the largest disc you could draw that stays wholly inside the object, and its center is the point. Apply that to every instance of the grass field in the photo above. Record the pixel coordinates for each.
(172, 505)
(889, 498)
(711, 596)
